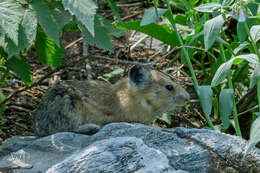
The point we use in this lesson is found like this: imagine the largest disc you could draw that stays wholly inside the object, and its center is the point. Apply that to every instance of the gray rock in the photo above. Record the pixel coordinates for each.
(124, 147)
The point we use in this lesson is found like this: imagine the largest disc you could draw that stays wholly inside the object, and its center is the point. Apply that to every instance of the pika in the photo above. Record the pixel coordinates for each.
(85, 106)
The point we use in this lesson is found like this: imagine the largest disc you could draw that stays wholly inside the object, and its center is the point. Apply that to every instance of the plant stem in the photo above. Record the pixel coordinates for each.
(186, 55)
(253, 43)
(258, 92)
(230, 85)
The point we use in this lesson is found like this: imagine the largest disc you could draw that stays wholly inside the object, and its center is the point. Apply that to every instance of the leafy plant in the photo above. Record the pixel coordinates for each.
(40, 23)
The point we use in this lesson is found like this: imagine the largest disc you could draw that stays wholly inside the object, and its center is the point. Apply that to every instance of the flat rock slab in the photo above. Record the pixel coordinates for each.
(124, 147)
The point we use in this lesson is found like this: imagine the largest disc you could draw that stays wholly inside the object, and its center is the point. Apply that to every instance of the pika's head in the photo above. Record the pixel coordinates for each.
(155, 90)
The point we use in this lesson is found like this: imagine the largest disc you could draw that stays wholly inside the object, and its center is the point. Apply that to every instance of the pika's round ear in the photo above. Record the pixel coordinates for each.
(138, 76)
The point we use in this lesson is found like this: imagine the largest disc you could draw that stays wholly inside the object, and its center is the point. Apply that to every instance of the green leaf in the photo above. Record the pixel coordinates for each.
(62, 17)
(150, 16)
(115, 10)
(20, 67)
(211, 30)
(11, 13)
(222, 71)
(47, 20)
(84, 11)
(255, 32)
(48, 52)
(205, 94)
(255, 75)
(208, 8)
(160, 32)
(226, 106)
(111, 29)
(113, 73)
(104, 28)
(254, 134)
(241, 47)
(26, 34)
(182, 4)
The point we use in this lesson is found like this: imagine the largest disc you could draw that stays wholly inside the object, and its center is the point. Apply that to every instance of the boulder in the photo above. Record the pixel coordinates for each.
(124, 147)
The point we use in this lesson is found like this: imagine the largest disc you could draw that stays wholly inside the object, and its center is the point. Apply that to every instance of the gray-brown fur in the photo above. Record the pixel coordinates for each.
(83, 106)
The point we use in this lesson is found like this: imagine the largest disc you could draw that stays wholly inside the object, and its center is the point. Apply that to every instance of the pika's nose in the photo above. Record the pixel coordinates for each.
(184, 97)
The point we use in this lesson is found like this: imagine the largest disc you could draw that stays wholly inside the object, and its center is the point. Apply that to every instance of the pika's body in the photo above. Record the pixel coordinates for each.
(84, 106)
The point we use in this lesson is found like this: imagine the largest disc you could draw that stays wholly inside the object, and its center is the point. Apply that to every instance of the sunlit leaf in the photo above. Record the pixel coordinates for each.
(222, 71)
(211, 30)
(205, 95)
(113, 73)
(255, 32)
(150, 16)
(254, 134)
(209, 7)
(226, 106)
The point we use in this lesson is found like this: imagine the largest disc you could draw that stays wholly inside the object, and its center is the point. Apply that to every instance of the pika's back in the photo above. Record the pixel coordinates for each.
(138, 98)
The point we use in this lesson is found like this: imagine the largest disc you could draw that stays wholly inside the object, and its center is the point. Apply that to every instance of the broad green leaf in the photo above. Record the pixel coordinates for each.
(253, 7)
(48, 52)
(11, 13)
(255, 75)
(62, 17)
(47, 20)
(115, 10)
(150, 16)
(159, 32)
(255, 32)
(26, 34)
(113, 73)
(254, 134)
(84, 11)
(182, 4)
(111, 29)
(208, 8)
(101, 39)
(211, 30)
(205, 94)
(241, 47)
(20, 67)
(226, 106)
(29, 28)
(222, 71)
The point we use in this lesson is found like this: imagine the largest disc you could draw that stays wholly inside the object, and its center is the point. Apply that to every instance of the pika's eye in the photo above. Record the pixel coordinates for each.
(169, 87)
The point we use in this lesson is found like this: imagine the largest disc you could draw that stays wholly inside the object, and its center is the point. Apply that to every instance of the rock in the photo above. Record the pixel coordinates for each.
(124, 147)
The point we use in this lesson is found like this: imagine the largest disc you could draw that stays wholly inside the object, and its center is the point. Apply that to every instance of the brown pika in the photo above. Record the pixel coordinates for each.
(84, 106)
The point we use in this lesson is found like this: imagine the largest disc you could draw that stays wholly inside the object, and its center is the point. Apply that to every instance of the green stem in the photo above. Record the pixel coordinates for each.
(253, 43)
(186, 55)
(258, 92)
(230, 85)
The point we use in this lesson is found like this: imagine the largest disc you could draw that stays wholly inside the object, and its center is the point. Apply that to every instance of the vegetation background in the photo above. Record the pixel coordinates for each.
(213, 46)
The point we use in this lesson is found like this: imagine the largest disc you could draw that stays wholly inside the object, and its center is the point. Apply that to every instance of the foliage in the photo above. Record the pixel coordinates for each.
(40, 23)
(208, 25)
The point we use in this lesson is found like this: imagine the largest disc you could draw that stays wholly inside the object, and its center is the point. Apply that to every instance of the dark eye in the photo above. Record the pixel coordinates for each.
(169, 87)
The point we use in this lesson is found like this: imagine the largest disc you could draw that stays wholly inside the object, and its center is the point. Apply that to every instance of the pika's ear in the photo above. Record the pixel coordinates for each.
(138, 76)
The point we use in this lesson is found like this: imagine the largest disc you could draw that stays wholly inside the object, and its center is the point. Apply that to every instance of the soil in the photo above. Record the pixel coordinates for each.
(17, 118)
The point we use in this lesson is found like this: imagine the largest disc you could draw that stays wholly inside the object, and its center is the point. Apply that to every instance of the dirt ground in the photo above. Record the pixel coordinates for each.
(17, 118)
